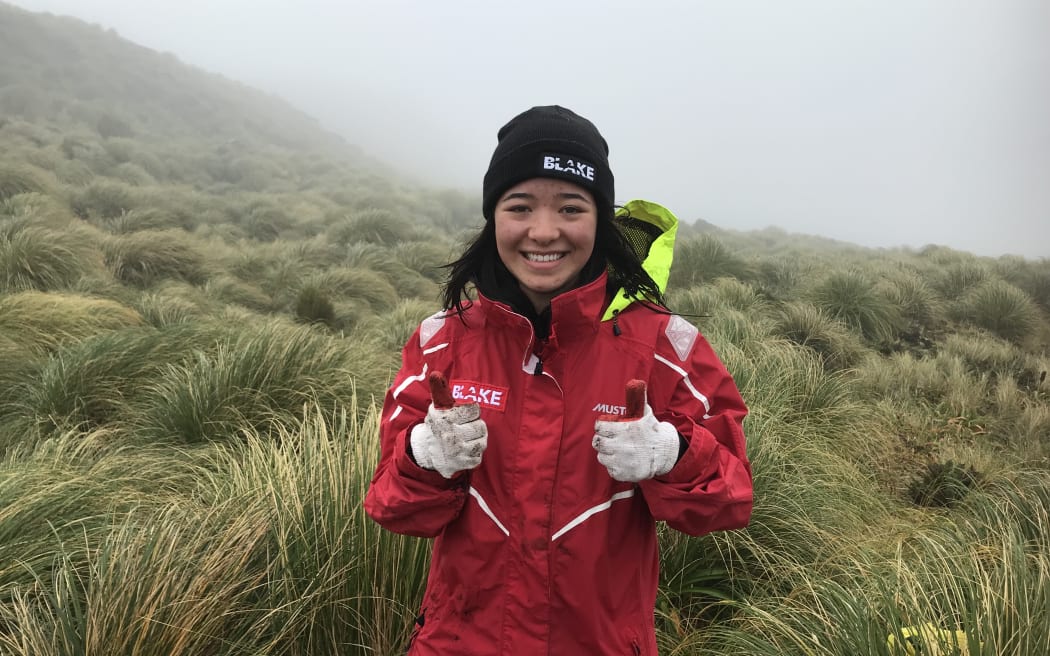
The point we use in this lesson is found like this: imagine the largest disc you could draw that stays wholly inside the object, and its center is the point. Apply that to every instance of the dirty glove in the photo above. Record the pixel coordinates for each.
(635, 447)
(452, 437)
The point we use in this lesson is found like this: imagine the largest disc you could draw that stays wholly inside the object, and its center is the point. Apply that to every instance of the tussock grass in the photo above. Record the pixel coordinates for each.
(987, 578)
(73, 172)
(65, 492)
(723, 294)
(24, 178)
(807, 326)
(391, 330)
(312, 305)
(356, 284)
(380, 259)
(787, 383)
(779, 278)
(316, 253)
(101, 200)
(917, 302)
(1000, 308)
(225, 289)
(806, 436)
(740, 296)
(100, 382)
(147, 218)
(373, 226)
(335, 581)
(1029, 434)
(267, 222)
(850, 296)
(959, 277)
(158, 582)
(943, 256)
(277, 268)
(42, 322)
(941, 383)
(426, 258)
(255, 375)
(1031, 277)
(987, 354)
(183, 207)
(702, 259)
(142, 258)
(173, 303)
(728, 326)
(132, 174)
(35, 209)
(698, 301)
(36, 257)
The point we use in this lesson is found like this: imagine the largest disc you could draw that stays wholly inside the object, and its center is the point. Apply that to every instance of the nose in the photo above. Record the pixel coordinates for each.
(544, 228)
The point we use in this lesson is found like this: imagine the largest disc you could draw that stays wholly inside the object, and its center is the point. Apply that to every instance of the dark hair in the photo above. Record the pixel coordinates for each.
(612, 252)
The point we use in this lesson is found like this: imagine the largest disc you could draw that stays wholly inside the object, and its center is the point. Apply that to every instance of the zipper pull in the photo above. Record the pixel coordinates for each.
(539, 367)
(616, 325)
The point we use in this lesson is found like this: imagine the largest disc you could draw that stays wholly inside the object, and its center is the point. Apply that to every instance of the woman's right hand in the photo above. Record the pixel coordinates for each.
(453, 436)
(450, 440)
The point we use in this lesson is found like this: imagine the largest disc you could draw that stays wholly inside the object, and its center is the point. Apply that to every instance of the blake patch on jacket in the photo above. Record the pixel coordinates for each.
(487, 396)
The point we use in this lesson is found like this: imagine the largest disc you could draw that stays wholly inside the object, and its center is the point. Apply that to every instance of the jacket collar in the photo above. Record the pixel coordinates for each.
(577, 311)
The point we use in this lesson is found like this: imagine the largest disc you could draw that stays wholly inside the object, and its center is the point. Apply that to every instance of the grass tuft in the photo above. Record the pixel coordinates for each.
(1000, 308)
(807, 326)
(42, 322)
(34, 257)
(850, 297)
(703, 259)
(943, 484)
(18, 179)
(145, 257)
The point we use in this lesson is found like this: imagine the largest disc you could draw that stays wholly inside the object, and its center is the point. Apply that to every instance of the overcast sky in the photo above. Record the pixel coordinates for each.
(884, 123)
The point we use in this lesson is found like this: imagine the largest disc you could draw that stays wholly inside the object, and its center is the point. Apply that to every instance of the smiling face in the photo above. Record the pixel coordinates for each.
(545, 232)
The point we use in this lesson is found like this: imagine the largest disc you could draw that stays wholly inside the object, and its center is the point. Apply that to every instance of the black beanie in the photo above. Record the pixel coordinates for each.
(548, 142)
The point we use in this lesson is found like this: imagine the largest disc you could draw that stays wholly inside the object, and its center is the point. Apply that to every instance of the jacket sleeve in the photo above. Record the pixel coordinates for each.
(710, 488)
(403, 497)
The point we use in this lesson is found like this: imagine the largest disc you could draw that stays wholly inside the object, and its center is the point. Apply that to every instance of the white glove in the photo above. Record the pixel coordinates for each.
(636, 449)
(451, 440)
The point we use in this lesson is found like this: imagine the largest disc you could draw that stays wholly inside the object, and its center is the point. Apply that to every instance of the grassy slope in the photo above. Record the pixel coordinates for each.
(202, 294)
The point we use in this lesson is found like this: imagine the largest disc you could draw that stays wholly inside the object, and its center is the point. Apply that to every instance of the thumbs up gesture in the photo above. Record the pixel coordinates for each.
(453, 436)
(635, 446)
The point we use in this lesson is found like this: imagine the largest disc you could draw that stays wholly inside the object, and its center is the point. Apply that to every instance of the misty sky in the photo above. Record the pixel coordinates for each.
(898, 122)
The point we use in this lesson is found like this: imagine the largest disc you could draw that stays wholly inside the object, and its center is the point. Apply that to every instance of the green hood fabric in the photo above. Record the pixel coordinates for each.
(651, 228)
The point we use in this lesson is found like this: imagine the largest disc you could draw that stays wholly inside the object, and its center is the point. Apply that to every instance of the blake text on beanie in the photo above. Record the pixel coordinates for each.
(548, 142)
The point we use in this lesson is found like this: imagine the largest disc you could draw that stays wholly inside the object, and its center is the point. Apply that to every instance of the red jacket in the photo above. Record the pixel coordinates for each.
(538, 550)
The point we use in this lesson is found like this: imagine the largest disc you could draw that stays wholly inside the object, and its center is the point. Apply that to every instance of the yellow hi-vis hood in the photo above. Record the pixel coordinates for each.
(656, 252)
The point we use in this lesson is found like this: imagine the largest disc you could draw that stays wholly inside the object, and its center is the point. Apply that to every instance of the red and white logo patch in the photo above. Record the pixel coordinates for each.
(487, 396)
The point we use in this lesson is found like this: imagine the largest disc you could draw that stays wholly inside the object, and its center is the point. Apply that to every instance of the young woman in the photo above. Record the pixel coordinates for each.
(542, 484)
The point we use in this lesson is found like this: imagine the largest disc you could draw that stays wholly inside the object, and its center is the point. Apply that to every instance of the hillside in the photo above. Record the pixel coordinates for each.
(67, 73)
(203, 295)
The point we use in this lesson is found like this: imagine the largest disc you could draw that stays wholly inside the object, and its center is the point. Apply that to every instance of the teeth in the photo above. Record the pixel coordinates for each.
(549, 257)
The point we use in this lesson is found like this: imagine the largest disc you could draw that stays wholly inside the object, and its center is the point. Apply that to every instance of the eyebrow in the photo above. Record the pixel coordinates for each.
(571, 195)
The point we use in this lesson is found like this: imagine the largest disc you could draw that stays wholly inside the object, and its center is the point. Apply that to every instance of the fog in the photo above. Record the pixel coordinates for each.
(880, 123)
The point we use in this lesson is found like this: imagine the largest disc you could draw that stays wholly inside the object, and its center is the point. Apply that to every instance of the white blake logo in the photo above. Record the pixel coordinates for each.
(477, 394)
(575, 167)
(487, 396)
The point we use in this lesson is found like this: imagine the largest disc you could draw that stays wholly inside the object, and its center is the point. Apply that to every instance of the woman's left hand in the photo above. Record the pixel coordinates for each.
(636, 449)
